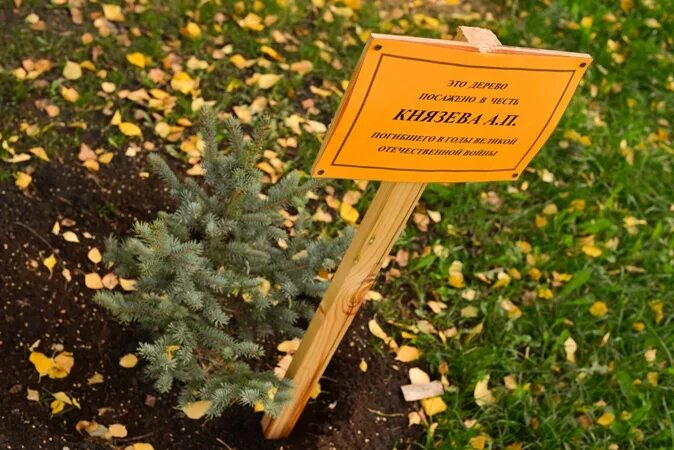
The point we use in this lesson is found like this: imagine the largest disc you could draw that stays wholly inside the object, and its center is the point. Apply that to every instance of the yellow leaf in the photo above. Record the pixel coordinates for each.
(69, 236)
(302, 67)
(456, 280)
(348, 213)
(127, 285)
(269, 51)
(128, 361)
(196, 410)
(137, 59)
(106, 157)
(267, 80)
(117, 430)
(41, 362)
(72, 71)
(191, 30)
(96, 378)
(56, 406)
(258, 406)
(591, 251)
(407, 353)
(129, 129)
(433, 405)
(93, 281)
(606, 419)
(652, 23)
(598, 309)
(69, 94)
(418, 376)
(182, 82)
(478, 442)
(50, 262)
(142, 446)
(116, 118)
(40, 153)
(94, 255)
(113, 13)
(570, 348)
(240, 62)
(482, 394)
(362, 365)
(251, 22)
(162, 129)
(23, 180)
(62, 365)
(315, 391)
(290, 346)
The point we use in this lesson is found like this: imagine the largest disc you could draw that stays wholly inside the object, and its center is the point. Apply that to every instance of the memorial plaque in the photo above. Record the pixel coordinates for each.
(427, 110)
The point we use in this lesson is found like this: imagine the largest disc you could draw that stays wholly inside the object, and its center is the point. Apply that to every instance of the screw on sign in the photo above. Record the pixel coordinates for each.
(420, 111)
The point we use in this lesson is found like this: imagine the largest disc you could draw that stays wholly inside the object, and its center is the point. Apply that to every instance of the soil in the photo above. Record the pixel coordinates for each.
(355, 410)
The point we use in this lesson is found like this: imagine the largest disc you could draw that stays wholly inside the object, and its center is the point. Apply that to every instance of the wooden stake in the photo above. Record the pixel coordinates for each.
(385, 219)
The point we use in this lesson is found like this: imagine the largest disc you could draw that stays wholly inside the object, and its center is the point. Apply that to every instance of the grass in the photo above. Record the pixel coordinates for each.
(607, 171)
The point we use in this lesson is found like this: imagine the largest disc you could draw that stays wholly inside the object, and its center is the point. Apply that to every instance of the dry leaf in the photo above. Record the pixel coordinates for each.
(94, 255)
(418, 376)
(482, 394)
(348, 213)
(70, 236)
(118, 430)
(127, 285)
(23, 180)
(72, 71)
(196, 410)
(40, 153)
(290, 346)
(606, 419)
(129, 129)
(137, 59)
(128, 361)
(433, 405)
(267, 80)
(70, 94)
(96, 378)
(407, 353)
(93, 281)
(113, 13)
(251, 22)
(49, 263)
(570, 348)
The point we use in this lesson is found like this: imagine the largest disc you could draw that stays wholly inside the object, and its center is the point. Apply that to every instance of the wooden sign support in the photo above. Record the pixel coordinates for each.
(383, 222)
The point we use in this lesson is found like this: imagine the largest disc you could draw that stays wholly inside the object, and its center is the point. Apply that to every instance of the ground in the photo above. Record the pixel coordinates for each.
(544, 305)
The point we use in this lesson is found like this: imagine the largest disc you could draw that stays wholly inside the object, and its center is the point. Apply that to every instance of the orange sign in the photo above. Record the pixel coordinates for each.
(427, 110)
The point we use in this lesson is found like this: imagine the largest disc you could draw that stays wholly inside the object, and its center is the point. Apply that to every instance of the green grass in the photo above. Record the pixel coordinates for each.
(611, 152)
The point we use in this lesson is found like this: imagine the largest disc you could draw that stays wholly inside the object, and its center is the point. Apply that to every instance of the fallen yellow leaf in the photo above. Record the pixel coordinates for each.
(128, 361)
(348, 213)
(433, 405)
(251, 22)
(117, 430)
(69, 94)
(40, 153)
(72, 71)
(23, 180)
(407, 353)
(129, 129)
(70, 236)
(196, 410)
(113, 13)
(482, 394)
(41, 362)
(137, 59)
(50, 262)
(267, 80)
(93, 281)
(127, 285)
(191, 30)
(94, 255)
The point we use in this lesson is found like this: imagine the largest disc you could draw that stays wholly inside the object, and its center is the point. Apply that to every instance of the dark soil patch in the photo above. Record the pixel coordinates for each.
(355, 409)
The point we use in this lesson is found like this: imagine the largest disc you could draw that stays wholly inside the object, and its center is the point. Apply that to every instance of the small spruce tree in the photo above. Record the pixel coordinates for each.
(219, 274)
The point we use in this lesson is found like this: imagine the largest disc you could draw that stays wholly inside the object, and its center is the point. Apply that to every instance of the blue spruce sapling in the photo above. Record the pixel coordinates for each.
(219, 274)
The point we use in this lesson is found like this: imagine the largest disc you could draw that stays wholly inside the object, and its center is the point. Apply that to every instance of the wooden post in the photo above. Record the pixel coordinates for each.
(385, 219)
